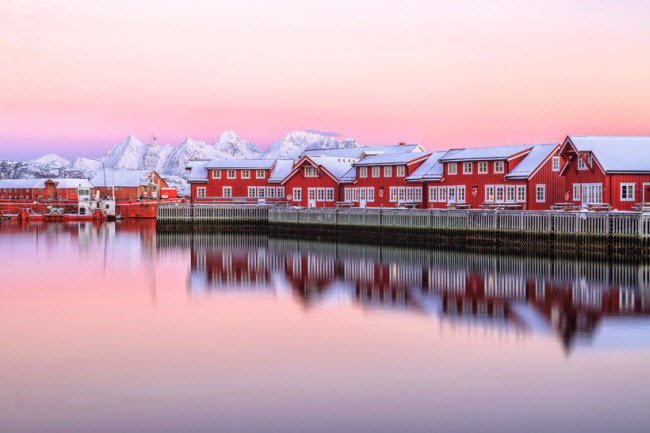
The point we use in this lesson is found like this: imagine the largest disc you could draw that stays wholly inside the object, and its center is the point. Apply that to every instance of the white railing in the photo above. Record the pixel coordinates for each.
(560, 223)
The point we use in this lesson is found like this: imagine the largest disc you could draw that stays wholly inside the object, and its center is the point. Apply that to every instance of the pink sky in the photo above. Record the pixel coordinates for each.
(77, 77)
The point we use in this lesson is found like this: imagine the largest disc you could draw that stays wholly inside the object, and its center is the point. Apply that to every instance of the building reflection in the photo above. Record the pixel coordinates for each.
(571, 299)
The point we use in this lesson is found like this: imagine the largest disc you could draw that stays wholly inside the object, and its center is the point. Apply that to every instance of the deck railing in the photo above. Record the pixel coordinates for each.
(541, 222)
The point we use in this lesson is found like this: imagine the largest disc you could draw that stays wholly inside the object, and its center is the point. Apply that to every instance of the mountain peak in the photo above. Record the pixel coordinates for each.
(51, 159)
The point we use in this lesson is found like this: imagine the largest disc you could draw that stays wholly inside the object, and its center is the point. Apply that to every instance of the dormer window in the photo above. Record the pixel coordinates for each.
(310, 171)
(499, 167)
(581, 161)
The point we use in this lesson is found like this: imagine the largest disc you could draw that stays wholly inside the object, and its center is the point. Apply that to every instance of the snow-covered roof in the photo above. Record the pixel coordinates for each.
(616, 154)
(121, 178)
(358, 152)
(486, 153)
(336, 166)
(198, 172)
(251, 164)
(72, 183)
(431, 168)
(280, 170)
(531, 161)
(22, 183)
(389, 159)
(350, 175)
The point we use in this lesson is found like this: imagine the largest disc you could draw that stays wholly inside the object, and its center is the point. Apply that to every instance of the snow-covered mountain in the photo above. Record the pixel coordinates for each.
(169, 161)
(298, 141)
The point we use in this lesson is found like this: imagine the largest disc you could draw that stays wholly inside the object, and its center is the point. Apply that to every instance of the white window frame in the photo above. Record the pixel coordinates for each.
(362, 194)
(216, 174)
(489, 193)
(467, 168)
(410, 194)
(270, 192)
(355, 194)
(461, 194)
(433, 193)
(329, 194)
(252, 192)
(260, 174)
(452, 168)
(348, 194)
(226, 191)
(555, 163)
(245, 174)
(363, 171)
(511, 190)
(393, 194)
(401, 194)
(630, 186)
(540, 188)
(482, 167)
(576, 191)
(388, 171)
(442, 194)
(311, 194)
(499, 167)
(401, 171)
(232, 174)
(201, 192)
(521, 193)
(320, 194)
(297, 194)
(417, 193)
(371, 193)
(261, 192)
(499, 190)
(310, 171)
(451, 194)
(376, 171)
(279, 192)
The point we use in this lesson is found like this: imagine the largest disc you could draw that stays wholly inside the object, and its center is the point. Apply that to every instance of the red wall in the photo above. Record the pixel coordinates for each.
(238, 185)
(298, 180)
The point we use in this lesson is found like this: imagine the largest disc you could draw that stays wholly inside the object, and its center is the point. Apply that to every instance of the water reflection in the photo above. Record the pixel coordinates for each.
(580, 302)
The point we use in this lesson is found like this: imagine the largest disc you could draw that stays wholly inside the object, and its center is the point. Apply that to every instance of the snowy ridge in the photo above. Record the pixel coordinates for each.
(169, 161)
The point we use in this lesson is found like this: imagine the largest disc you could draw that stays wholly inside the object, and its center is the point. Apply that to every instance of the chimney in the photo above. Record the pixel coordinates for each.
(402, 143)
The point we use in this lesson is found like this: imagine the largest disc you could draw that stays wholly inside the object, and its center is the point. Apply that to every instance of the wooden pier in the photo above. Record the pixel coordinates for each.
(550, 232)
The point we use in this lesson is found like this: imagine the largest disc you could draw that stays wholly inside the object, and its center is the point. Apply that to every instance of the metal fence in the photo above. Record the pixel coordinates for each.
(561, 223)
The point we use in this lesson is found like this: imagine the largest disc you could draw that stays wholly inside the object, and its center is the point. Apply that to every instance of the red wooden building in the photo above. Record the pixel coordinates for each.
(131, 185)
(41, 189)
(381, 181)
(239, 180)
(315, 181)
(605, 170)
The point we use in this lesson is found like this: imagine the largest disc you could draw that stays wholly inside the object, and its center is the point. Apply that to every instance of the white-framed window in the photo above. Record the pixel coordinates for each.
(482, 167)
(310, 171)
(245, 174)
(452, 168)
(363, 171)
(297, 194)
(555, 163)
(231, 174)
(500, 193)
(489, 193)
(581, 161)
(540, 193)
(311, 194)
(355, 194)
(226, 191)
(409, 194)
(451, 194)
(401, 194)
(576, 192)
(279, 192)
(433, 193)
(461, 194)
(521, 193)
(216, 174)
(467, 168)
(627, 191)
(371, 193)
(499, 166)
(401, 171)
(393, 194)
(200, 192)
(388, 171)
(362, 194)
(418, 194)
(320, 194)
(442, 194)
(510, 193)
(375, 171)
(329, 194)
(348, 194)
(260, 174)
(252, 192)
(270, 192)
(261, 192)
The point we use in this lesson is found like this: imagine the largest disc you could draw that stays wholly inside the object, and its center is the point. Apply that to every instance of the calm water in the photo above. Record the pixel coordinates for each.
(115, 328)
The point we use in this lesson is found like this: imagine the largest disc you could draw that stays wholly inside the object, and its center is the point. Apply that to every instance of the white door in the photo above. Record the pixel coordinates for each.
(451, 195)
(592, 193)
(311, 197)
(362, 197)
